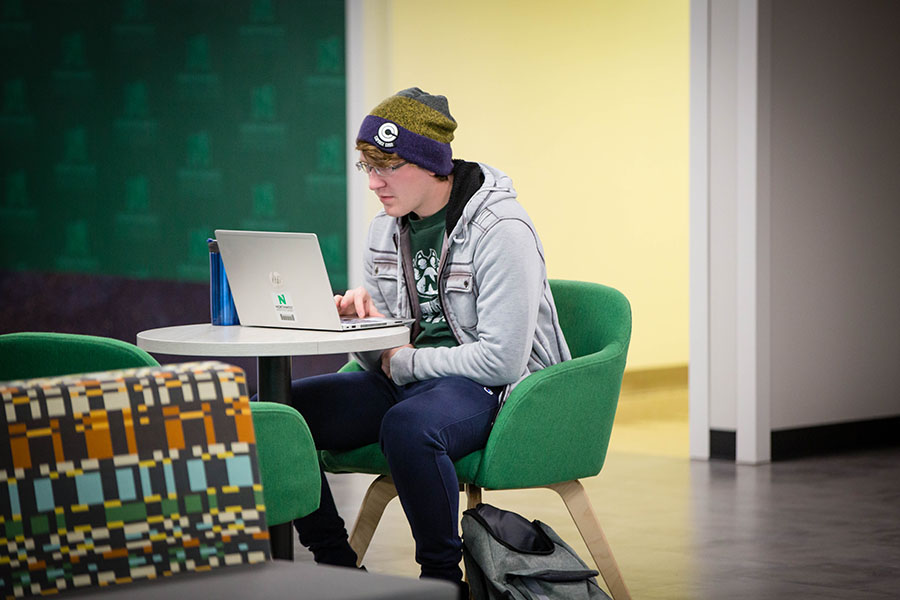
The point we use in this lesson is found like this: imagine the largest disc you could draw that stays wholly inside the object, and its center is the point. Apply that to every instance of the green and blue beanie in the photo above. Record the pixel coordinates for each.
(415, 126)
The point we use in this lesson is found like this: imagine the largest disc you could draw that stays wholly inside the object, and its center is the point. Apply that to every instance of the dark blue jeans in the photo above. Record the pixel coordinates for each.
(422, 428)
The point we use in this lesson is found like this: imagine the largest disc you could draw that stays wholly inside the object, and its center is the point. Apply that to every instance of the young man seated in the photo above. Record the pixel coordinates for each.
(454, 250)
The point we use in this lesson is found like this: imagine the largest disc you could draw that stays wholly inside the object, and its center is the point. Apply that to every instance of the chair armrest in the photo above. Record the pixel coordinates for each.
(288, 463)
(556, 424)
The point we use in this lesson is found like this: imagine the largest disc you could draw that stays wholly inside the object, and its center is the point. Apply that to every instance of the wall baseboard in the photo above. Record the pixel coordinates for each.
(722, 444)
(812, 441)
(642, 380)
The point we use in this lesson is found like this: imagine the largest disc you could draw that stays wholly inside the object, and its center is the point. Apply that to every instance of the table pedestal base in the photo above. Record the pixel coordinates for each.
(273, 378)
(281, 538)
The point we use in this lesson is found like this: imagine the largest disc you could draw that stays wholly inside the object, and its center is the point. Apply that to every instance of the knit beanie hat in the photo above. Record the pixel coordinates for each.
(414, 125)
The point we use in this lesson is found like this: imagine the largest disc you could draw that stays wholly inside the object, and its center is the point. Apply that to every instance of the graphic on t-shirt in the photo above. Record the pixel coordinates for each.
(432, 311)
(425, 270)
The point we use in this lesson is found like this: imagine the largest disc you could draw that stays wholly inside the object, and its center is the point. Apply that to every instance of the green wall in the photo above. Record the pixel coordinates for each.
(131, 129)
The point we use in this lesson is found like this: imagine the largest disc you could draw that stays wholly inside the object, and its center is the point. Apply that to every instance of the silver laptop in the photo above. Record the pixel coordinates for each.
(279, 280)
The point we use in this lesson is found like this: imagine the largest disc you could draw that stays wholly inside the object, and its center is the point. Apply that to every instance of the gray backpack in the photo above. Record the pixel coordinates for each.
(509, 558)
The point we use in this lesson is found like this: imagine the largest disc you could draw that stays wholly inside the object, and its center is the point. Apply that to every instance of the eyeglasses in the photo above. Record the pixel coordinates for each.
(366, 168)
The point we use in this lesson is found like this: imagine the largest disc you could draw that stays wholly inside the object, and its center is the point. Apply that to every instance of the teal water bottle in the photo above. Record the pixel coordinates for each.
(221, 304)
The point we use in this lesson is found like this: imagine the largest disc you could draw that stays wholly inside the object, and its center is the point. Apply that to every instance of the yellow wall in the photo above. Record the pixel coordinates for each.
(585, 106)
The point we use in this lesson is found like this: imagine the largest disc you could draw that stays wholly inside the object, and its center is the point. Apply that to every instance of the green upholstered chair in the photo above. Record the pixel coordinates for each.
(287, 459)
(292, 483)
(552, 431)
(46, 354)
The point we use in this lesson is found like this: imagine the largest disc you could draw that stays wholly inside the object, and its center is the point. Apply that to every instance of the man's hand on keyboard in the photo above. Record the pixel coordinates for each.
(356, 303)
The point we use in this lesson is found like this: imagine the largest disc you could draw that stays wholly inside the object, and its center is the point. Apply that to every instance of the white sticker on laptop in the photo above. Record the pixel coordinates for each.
(284, 306)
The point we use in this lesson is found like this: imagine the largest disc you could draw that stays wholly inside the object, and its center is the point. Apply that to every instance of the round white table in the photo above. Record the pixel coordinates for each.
(273, 349)
(271, 346)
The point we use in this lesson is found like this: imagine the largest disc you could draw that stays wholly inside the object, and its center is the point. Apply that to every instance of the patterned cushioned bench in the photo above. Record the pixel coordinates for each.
(118, 476)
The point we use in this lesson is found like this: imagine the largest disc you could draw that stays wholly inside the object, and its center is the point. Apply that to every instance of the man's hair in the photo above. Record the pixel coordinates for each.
(377, 157)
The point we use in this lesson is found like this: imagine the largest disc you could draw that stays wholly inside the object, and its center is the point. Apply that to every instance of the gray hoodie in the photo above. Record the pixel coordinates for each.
(492, 283)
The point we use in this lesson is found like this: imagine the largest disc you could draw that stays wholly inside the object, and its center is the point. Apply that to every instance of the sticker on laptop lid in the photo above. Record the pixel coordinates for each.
(284, 306)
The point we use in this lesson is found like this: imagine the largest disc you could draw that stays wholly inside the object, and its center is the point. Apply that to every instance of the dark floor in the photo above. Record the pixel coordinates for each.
(814, 528)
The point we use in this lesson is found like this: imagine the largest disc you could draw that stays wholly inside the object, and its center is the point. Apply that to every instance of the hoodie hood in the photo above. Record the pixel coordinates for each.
(467, 180)
(475, 186)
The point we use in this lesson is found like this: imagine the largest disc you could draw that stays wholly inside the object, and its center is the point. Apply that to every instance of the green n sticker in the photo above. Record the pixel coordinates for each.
(284, 307)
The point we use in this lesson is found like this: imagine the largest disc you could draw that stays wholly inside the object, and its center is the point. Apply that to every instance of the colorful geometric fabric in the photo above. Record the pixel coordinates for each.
(123, 475)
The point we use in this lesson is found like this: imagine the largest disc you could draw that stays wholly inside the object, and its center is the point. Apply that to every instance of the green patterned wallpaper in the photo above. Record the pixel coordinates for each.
(131, 129)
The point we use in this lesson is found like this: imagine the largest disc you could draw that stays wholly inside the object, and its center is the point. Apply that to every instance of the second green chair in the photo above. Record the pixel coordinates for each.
(289, 470)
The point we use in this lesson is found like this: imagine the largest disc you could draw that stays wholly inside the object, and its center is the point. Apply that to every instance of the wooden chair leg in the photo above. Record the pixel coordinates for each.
(579, 506)
(377, 497)
(473, 495)
(375, 501)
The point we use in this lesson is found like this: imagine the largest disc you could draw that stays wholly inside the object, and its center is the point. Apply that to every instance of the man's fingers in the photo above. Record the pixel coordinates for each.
(360, 302)
(356, 301)
(372, 310)
(344, 303)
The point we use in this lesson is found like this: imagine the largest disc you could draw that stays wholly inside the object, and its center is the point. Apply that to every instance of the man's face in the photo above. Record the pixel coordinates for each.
(407, 189)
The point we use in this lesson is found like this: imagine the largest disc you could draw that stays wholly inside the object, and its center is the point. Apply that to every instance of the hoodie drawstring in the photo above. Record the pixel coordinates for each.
(464, 221)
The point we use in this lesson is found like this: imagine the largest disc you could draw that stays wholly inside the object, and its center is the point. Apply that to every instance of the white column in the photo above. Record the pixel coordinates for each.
(368, 75)
(699, 380)
(355, 74)
(753, 271)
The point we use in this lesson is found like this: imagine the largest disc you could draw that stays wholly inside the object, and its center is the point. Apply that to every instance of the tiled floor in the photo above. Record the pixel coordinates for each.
(815, 528)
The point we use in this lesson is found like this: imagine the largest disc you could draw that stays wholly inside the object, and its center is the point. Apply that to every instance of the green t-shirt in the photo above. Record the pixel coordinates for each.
(426, 238)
